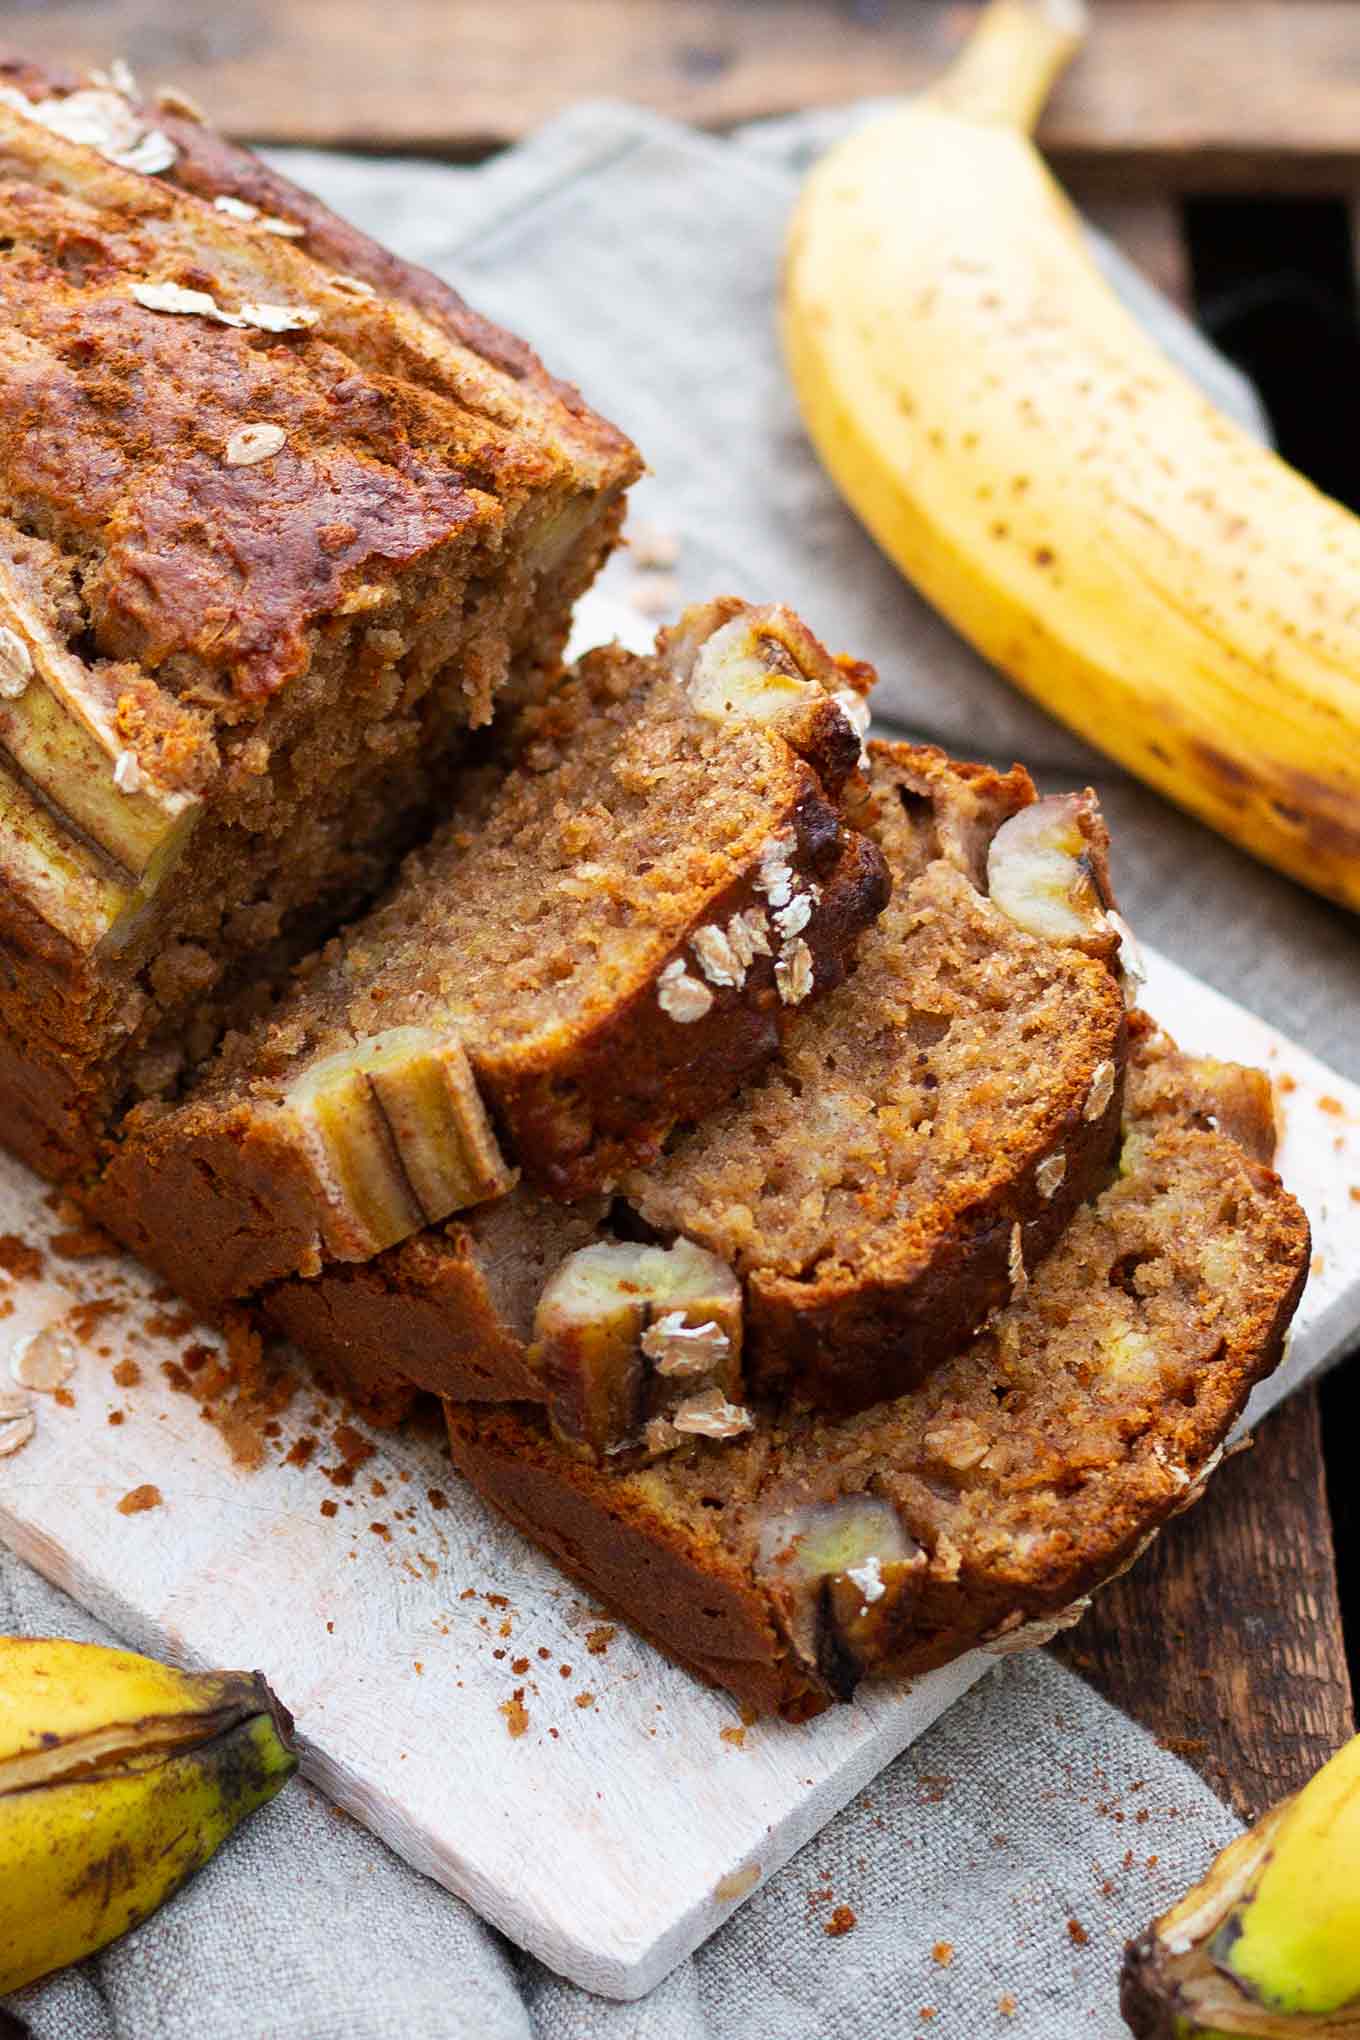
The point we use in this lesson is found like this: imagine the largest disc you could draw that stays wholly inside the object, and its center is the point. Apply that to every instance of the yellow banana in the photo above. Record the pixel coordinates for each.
(119, 1777)
(1268, 1945)
(1031, 460)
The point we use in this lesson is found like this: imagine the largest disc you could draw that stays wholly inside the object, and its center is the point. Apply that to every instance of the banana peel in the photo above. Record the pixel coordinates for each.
(1267, 1946)
(119, 1777)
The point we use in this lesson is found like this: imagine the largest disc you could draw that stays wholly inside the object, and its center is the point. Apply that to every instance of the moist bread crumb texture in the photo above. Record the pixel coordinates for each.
(792, 1563)
(900, 1168)
(666, 826)
(273, 539)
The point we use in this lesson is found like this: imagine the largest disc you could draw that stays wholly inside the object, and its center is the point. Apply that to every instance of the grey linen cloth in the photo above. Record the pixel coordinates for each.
(995, 1870)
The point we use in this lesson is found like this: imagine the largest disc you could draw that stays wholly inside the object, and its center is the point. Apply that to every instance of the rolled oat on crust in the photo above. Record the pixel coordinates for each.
(585, 954)
(270, 547)
(982, 1508)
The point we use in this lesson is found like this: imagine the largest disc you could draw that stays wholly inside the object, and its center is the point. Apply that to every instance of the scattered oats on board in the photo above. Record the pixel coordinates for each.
(17, 1422)
(44, 1359)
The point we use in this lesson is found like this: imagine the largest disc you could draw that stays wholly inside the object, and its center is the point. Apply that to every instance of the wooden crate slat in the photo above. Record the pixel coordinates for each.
(1169, 92)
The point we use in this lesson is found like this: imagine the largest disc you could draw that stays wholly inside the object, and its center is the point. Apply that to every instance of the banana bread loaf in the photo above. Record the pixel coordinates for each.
(791, 1562)
(916, 1149)
(280, 521)
(597, 944)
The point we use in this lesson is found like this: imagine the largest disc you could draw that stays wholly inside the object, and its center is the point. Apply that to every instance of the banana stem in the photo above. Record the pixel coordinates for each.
(1010, 63)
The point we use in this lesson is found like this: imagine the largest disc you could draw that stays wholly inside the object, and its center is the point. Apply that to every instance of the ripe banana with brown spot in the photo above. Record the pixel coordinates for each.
(119, 1777)
(1051, 482)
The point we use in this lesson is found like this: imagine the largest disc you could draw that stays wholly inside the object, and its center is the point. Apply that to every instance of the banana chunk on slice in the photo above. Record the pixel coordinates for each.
(1048, 871)
(86, 837)
(399, 1137)
(838, 1574)
(740, 663)
(639, 1348)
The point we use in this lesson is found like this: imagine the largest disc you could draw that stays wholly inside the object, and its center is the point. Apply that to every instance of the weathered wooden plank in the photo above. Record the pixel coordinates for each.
(1226, 1640)
(1170, 93)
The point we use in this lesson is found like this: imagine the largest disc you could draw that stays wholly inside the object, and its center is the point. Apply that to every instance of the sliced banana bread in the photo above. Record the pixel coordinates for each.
(599, 942)
(280, 520)
(917, 1148)
(795, 1560)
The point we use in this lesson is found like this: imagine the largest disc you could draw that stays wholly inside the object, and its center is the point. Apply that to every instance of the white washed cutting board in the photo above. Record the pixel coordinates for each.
(621, 1825)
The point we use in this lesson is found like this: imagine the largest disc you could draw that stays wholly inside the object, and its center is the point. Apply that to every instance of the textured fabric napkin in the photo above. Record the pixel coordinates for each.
(996, 1868)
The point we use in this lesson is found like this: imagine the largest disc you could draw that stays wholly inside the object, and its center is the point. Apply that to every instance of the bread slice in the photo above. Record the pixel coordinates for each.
(595, 946)
(918, 1146)
(793, 1562)
(280, 521)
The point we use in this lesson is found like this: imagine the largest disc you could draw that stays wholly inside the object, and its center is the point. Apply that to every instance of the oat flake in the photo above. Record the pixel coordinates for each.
(127, 772)
(683, 997)
(1101, 1091)
(16, 1430)
(352, 286)
(1049, 1174)
(235, 208)
(277, 318)
(149, 156)
(16, 664)
(44, 1360)
(251, 443)
(793, 972)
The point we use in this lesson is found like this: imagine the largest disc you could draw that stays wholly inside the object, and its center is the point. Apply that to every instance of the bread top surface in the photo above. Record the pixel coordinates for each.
(418, 443)
(958, 1057)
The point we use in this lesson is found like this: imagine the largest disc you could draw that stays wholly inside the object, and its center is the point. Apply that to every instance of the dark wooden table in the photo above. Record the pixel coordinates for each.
(1228, 1640)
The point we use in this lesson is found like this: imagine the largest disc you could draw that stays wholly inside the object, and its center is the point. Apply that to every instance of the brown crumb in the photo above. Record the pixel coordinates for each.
(496, 1600)
(515, 1712)
(171, 1324)
(733, 1734)
(378, 1488)
(83, 1318)
(64, 1397)
(519, 1666)
(18, 1258)
(381, 1530)
(1005, 2004)
(599, 1640)
(544, 1652)
(468, 1594)
(330, 1508)
(565, 1671)
(1334, 1106)
(127, 1373)
(1077, 1934)
(115, 1416)
(840, 1922)
(438, 1499)
(586, 1699)
(942, 1953)
(300, 1451)
(139, 1499)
